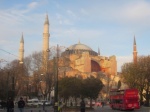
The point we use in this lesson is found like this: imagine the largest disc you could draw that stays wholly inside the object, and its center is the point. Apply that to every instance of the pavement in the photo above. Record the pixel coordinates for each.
(50, 109)
(27, 109)
(40, 109)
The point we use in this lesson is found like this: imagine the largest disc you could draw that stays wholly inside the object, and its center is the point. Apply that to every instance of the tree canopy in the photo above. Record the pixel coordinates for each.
(138, 76)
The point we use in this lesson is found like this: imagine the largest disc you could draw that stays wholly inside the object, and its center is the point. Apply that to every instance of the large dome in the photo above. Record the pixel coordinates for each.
(78, 49)
(79, 46)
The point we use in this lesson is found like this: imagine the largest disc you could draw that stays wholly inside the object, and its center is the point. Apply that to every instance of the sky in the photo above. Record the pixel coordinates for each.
(109, 25)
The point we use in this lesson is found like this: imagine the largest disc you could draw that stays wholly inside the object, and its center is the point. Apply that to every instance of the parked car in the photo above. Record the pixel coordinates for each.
(47, 103)
(33, 102)
(2, 104)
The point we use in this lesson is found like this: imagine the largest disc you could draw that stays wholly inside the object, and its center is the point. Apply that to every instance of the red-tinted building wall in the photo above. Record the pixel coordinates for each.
(95, 67)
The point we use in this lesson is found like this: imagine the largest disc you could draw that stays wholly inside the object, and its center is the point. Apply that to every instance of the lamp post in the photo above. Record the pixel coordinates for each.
(56, 82)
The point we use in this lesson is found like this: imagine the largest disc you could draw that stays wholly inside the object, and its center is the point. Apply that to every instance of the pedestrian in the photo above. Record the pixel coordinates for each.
(82, 106)
(21, 104)
(44, 105)
(102, 104)
(60, 106)
(10, 105)
(71, 104)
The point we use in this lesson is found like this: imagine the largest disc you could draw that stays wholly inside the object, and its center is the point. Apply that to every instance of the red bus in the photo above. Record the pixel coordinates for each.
(127, 99)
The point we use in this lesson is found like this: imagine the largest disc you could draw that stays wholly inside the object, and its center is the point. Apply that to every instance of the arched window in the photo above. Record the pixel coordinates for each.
(95, 67)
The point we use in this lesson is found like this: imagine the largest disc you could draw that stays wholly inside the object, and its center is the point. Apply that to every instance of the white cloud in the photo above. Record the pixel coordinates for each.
(62, 20)
(73, 33)
(32, 5)
(131, 13)
(71, 13)
(135, 13)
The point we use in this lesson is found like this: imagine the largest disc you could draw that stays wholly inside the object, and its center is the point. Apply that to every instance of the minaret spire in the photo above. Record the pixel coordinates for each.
(134, 51)
(98, 51)
(46, 36)
(21, 50)
(46, 20)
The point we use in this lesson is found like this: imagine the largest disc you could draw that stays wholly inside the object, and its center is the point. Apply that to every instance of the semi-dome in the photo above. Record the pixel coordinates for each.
(79, 49)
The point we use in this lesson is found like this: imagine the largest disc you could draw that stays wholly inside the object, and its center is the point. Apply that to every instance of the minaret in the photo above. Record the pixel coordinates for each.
(21, 50)
(98, 51)
(46, 36)
(134, 52)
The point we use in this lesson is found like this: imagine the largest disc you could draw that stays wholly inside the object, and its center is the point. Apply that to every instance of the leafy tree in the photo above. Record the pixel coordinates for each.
(138, 76)
(91, 88)
(69, 87)
(129, 74)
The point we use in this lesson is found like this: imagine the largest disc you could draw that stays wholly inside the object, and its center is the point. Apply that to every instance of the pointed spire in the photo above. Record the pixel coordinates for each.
(98, 51)
(134, 51)
(22, 40)
(134, 44)
(134, 40)
(46, 20)
(21, 50)
(79, 42)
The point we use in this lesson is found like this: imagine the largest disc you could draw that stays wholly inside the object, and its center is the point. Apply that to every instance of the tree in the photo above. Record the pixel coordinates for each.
(13, 79)
(130, 74)
(77, 87)
(91, 88)
(43, 74)
(119, 84)
(69, 87)
(138, 76)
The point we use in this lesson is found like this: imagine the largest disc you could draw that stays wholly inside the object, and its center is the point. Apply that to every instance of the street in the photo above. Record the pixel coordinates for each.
(96, 109)
(108, 109)
(27, 109)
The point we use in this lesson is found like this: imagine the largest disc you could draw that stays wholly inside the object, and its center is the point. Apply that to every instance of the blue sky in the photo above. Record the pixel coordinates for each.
(107, 24)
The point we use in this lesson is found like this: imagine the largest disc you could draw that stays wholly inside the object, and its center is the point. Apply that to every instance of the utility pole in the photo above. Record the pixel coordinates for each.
(56, 81)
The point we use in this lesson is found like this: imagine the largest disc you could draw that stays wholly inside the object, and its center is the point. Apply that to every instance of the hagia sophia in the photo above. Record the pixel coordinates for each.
(79, 59)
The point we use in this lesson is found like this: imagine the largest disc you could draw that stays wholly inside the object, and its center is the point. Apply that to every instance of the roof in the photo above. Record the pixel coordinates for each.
(79, 46)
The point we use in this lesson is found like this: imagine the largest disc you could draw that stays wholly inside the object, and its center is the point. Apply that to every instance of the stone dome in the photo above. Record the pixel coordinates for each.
(79, 46)
(78, 49)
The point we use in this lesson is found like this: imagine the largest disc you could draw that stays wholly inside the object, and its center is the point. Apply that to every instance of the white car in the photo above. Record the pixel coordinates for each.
(47, 103)
(33, 102)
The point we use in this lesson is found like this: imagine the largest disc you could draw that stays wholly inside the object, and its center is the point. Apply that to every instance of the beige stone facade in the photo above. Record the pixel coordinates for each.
(84, 62)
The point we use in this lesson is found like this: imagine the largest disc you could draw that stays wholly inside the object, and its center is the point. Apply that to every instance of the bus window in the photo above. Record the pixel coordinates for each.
(122, 98)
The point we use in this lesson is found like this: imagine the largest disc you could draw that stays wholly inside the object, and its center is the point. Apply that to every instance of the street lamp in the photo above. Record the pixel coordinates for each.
(56, 78)
(56, 82)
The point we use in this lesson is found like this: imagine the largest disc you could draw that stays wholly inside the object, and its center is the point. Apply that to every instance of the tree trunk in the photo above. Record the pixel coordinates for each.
(141, 97)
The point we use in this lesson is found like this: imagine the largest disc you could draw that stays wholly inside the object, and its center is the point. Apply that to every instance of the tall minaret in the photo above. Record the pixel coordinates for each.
(134, 52)
(21, 50)
(46, 36)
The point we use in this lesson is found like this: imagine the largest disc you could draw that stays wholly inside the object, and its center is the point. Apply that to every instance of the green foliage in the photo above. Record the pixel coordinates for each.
(69, 86)
(91, 87)
(75, 87)
(138, 76)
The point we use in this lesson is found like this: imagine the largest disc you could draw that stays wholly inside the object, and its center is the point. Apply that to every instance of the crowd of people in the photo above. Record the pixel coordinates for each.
(9, 104)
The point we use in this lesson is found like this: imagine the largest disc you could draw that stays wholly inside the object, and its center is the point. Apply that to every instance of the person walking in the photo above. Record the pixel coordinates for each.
(82, 106)
(102, 104)
(10, 105)
(21, 104)
(44, 105)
